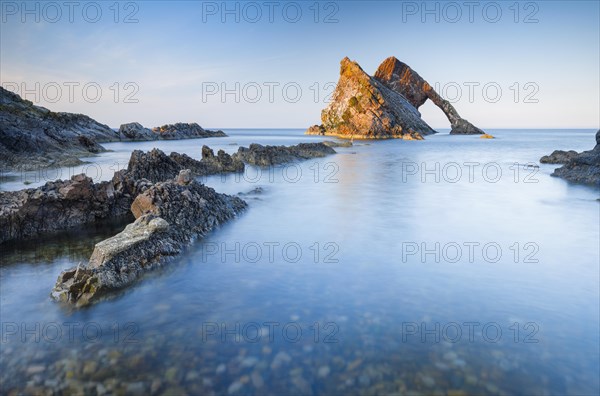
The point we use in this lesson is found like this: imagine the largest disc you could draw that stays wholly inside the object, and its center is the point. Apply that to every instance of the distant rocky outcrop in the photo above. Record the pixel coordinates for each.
(399, 77)
(363, 107)
(33, 136)
(383, 106)
(169, 215)
(261, 155)
(136, 132)
(559, 157)
(583, 167)
(332, 143)
(185, 131)
(60, 205)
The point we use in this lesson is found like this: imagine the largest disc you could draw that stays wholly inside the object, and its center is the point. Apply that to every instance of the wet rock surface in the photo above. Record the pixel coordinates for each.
(169, 215)
(260, 155)
(582, 168)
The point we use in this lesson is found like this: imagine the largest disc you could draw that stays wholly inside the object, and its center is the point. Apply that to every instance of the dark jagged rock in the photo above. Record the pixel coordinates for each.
(154, 165)
(558, 157)
(33, 136)
(261, 155)
(584, 167)
(383, 106)
(169, 215)
(185, 131)
(157, 166)
(136, 131)
(60, 205)
(363, 107)
(400, 78)
(221, 163)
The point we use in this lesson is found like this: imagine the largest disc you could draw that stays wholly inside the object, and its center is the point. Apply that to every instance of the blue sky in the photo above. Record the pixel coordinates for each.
(503, 64)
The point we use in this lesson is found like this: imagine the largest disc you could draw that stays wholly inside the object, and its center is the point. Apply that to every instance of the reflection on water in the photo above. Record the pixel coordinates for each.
(354, 274)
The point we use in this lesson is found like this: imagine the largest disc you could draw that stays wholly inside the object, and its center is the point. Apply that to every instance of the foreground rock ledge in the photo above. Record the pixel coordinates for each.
(169, 216)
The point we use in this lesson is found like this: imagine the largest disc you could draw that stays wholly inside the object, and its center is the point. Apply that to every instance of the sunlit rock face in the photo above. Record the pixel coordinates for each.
(383, 106)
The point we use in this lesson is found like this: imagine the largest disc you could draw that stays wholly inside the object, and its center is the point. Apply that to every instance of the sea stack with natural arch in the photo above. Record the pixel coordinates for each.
(385, 105)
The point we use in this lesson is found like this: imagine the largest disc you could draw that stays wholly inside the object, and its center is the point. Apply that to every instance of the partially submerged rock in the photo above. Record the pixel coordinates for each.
(582, 168)
(156, 166)
(137, 132)
(383, 106)
(559, 157)
(261, 155)
(331, 143)
(182, 130)
(61, 205)
(169, 216)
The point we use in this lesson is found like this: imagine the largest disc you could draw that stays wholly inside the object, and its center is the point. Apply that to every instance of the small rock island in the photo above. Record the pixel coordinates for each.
(577, 167)
(385, 105)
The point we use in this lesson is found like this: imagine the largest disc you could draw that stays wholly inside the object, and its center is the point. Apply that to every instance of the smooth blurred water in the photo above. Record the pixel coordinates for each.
(390, 275)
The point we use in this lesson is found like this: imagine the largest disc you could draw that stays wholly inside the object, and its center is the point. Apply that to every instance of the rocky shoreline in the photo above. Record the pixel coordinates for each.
(581, 167)
(60, 205)
(171, 208)
(33, 137)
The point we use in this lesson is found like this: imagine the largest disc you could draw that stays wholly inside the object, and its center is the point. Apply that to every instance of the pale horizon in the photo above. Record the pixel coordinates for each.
(539, 66)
